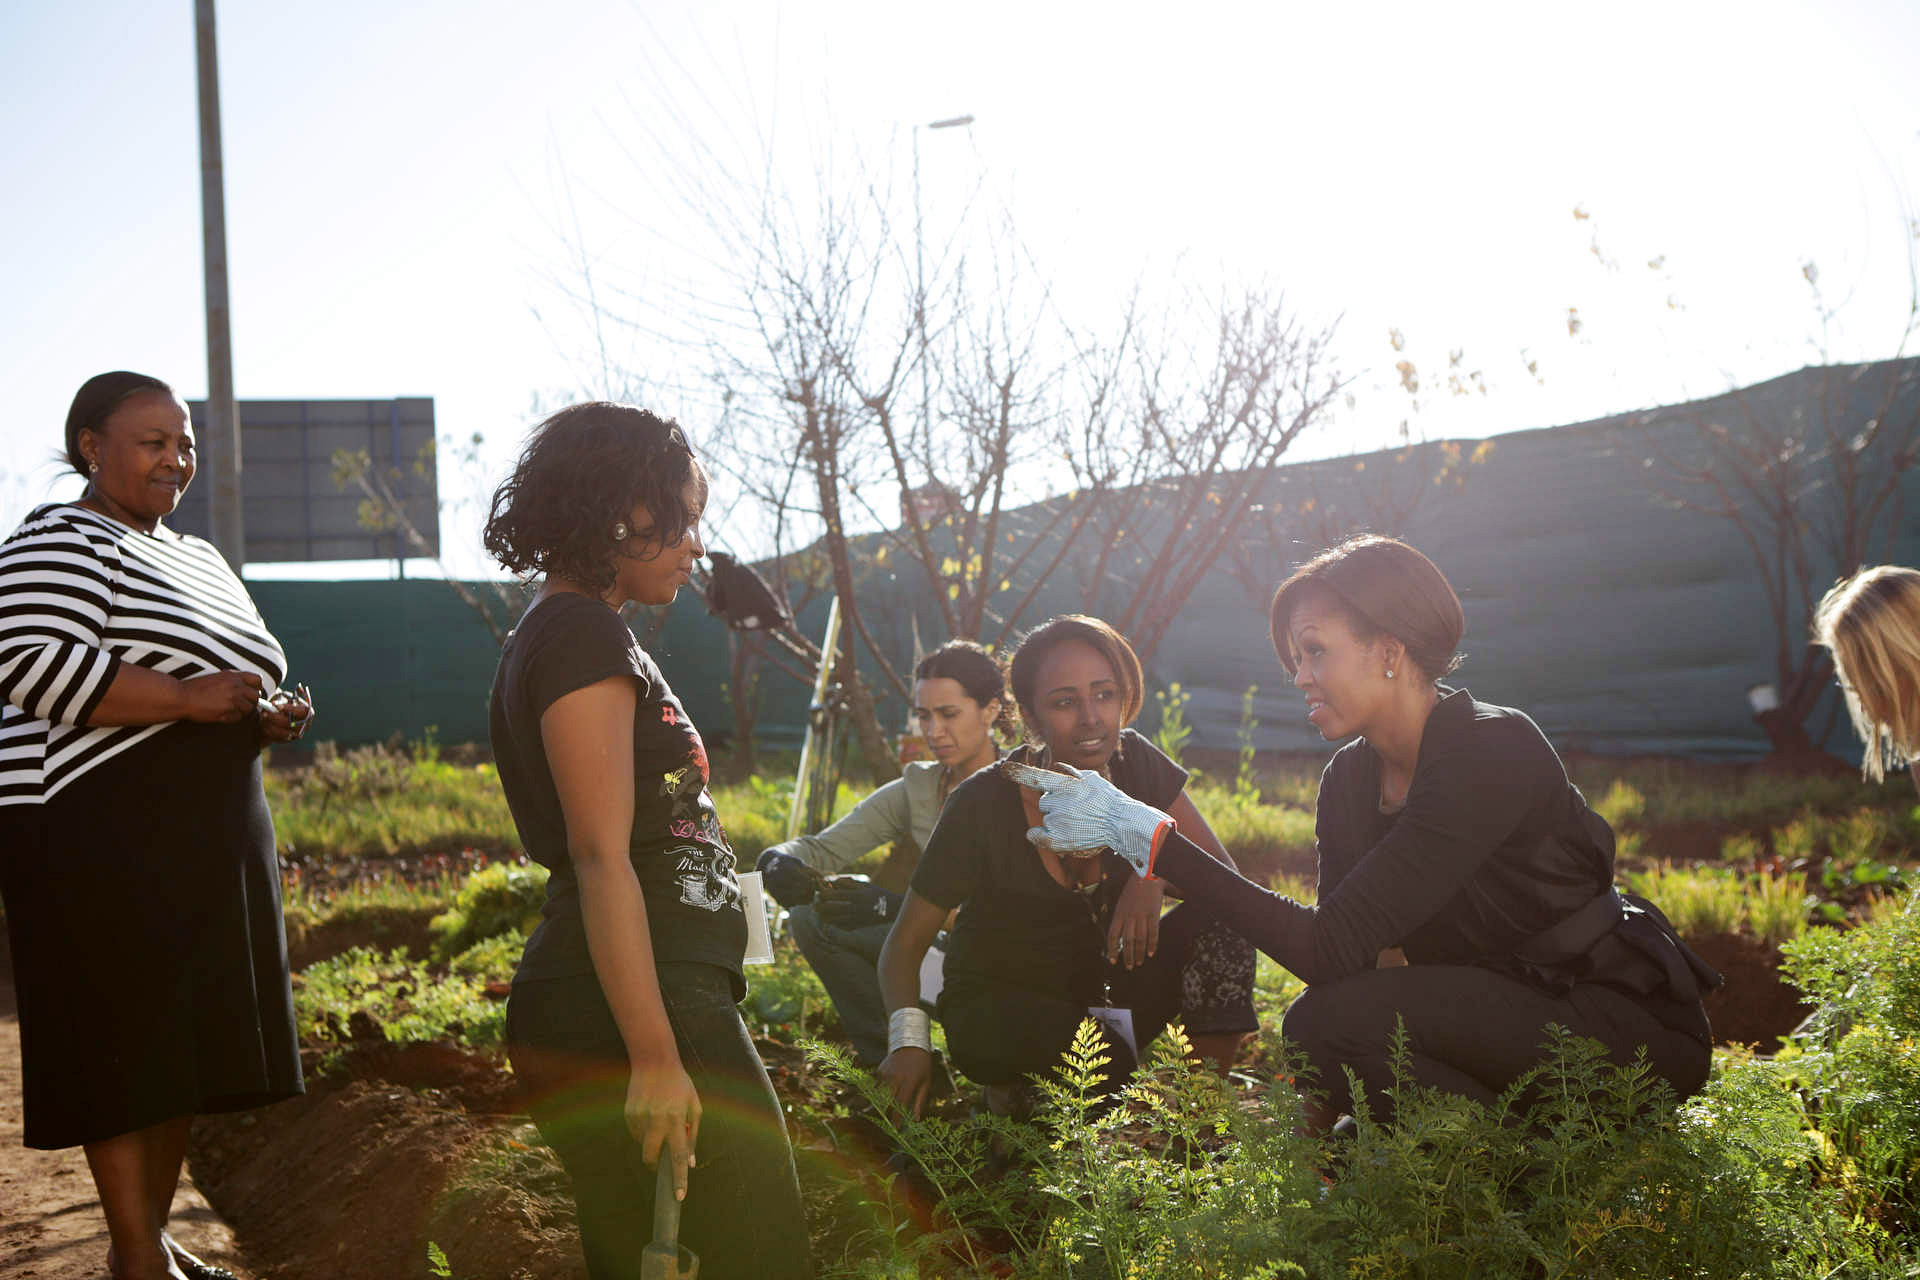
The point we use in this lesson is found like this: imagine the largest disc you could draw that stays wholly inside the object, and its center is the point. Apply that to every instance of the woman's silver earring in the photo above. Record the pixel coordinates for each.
(621, 533)
(92, 467)
(1389, 673)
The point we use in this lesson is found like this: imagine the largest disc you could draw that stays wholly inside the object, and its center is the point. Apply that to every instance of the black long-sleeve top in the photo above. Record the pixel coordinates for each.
(1493, 846)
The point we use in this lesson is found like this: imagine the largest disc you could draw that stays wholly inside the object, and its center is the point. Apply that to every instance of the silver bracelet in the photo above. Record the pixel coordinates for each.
(909, 1028)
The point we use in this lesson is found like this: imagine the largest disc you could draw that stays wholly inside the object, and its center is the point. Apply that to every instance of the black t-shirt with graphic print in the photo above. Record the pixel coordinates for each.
(1018, 926)
(681, 855)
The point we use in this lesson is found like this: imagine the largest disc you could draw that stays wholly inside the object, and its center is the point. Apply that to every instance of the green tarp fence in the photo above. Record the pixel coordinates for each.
(1622, 624)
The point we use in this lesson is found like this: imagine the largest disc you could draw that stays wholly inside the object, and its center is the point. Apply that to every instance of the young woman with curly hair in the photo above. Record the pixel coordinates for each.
(622, 1023)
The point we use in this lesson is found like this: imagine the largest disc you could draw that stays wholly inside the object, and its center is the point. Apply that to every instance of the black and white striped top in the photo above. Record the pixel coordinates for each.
(79, 595)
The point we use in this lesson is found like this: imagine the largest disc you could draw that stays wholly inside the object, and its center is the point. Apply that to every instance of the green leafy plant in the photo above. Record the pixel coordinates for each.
(1799, 839)
(365, 989)
(491, 959)
(503, 898)
(1246, 778)
(1173, 730)
(785, 999)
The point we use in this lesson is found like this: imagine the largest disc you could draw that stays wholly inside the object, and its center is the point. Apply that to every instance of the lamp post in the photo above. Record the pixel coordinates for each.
(920, 268)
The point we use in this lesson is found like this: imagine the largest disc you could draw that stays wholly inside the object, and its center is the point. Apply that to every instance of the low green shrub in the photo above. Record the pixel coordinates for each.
(1805, 1164)
(1582, 1169)
(504, 898)
(490, 960)
(405, 1001)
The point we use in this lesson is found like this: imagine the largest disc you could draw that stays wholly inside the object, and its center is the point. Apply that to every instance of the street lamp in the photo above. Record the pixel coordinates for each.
(920, 266)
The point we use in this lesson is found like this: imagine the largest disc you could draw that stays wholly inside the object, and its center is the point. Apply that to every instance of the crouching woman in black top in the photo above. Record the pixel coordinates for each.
(1042, 939)
(622, 1024)
(1466, 889)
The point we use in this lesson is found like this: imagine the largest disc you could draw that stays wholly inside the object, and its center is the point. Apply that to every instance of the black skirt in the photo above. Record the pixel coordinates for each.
(149, 955)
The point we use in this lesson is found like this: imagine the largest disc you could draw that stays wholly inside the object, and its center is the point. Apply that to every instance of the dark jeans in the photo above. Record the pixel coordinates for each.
(742, 1213)
(1201, 976)
(847, 961)
(1470, 1031)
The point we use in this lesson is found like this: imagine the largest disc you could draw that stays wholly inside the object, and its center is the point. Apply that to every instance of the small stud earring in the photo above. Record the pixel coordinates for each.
(92, 467)
(621, 533)
(1389, 673)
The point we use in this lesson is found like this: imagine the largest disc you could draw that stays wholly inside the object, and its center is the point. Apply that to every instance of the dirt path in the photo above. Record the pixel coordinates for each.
(50, 1224)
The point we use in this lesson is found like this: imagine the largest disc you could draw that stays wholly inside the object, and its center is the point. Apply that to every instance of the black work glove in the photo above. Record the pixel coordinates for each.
(790, 881)
(850, 904)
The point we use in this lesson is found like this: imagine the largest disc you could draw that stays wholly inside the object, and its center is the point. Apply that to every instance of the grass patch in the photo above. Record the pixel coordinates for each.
(309, 899)
(1704, 900)
(754, 812)
(1255, 832)
(377, 802)
(1651, 792)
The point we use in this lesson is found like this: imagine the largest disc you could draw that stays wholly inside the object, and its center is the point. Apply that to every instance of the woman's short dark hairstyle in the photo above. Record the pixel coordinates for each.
(1023, 668)
(1386, 588)
(582, 472)
(95, 402)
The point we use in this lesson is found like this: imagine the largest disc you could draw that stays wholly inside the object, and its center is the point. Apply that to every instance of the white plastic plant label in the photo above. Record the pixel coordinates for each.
(753, 901)
(1117, 1023)
(933, 975)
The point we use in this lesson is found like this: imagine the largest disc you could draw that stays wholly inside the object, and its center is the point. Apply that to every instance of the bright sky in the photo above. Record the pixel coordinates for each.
(403, 182)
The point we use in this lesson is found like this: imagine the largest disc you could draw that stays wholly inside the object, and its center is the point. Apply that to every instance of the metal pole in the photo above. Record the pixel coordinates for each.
(829, 649)
(223, 418)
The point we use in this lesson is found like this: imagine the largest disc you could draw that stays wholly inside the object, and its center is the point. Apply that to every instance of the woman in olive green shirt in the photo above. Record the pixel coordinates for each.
(840, 924)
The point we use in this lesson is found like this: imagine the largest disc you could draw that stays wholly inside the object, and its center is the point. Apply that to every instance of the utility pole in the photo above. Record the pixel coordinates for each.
(223, 416)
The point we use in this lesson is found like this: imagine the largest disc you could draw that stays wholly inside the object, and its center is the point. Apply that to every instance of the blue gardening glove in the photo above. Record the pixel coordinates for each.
(790, 881)
(850, 904)
(1083, 811)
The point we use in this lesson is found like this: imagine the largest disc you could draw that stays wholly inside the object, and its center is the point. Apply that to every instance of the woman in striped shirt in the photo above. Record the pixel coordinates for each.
(136, 852)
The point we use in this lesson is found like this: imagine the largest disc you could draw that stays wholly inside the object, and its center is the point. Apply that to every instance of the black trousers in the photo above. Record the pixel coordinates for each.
(1201, 975)
(742, 1214)
(1470, 1031)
